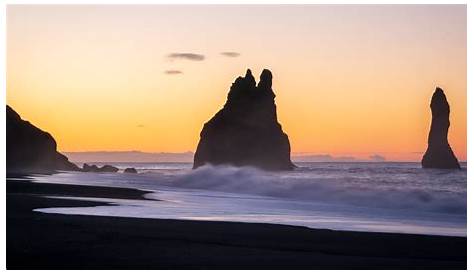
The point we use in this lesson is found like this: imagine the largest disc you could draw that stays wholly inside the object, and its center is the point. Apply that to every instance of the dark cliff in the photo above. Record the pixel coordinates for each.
(29, 149)
(439, 153)
(246, 132)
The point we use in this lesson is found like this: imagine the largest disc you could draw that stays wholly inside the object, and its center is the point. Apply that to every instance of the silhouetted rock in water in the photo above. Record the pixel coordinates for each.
(108, 168)
(246, 132)
(130, 170)
(29, 149)
(439, 153)
(90, 168)
(94, 168)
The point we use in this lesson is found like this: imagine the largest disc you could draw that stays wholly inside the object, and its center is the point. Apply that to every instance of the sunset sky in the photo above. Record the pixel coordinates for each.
(349, 80)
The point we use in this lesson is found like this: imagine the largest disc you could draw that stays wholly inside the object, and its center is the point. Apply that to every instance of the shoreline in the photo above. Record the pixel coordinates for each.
(55, 241)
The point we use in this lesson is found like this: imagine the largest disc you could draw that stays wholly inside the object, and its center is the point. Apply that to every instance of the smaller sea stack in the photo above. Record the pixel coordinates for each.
(439, 153)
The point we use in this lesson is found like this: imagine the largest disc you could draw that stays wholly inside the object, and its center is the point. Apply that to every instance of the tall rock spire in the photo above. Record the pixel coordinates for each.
(439, 154)
(246, 132)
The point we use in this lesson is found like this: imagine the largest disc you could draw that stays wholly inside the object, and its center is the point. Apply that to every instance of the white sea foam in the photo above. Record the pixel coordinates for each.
(285, 185)
(391, 197)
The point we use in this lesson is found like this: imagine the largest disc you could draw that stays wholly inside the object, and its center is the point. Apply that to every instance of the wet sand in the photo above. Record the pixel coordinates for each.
(54, 241)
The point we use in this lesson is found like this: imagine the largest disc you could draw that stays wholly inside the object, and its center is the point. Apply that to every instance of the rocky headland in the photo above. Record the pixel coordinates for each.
(30, 149)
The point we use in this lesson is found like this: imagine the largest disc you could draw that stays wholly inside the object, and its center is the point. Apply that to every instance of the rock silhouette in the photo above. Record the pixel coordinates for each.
(108, 168)
(30, 149)
(94, 168)
(90, 168)
(439, 154)
(130, 170)
(246, 132)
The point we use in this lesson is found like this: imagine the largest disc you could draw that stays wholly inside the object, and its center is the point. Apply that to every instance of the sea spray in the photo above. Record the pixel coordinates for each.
(335, 191)
(383, 197)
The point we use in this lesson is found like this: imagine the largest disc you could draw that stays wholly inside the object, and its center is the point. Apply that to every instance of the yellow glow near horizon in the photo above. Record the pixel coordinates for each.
(350, 80)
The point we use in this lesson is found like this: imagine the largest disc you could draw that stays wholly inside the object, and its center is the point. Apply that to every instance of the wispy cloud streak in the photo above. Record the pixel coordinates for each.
(230, 54)
(186, 56)
(173, 72)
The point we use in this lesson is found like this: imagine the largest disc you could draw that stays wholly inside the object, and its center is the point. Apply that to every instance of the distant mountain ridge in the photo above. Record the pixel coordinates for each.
(129, 156)
(187, 157)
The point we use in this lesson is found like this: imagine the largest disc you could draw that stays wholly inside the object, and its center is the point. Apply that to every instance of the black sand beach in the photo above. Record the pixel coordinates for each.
(54, 241)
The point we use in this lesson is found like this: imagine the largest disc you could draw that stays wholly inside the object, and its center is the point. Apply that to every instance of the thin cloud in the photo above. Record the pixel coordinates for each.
(230, 54)
(186, 56)
(173, 72)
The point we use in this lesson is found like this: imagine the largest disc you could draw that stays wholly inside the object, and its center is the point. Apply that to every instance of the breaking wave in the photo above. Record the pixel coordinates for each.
(386, 193)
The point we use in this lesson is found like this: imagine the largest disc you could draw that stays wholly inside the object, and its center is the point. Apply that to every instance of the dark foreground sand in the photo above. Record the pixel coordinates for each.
(53, 241)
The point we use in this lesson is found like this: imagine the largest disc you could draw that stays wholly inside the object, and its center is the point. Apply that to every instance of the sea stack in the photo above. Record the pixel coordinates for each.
(439, 154)
(246, 132)
(30, 149)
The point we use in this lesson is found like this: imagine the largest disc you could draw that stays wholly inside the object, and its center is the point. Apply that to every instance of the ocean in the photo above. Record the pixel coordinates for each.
(355, 196)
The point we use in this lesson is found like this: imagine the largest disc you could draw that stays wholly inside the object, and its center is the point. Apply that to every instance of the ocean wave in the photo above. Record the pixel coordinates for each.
(322, 190)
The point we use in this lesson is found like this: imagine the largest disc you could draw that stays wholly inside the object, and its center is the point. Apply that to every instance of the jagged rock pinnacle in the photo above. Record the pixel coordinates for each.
(265, 79)
(249, 78)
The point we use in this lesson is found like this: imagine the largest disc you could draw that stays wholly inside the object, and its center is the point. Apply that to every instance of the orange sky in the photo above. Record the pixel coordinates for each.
(349, 80)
